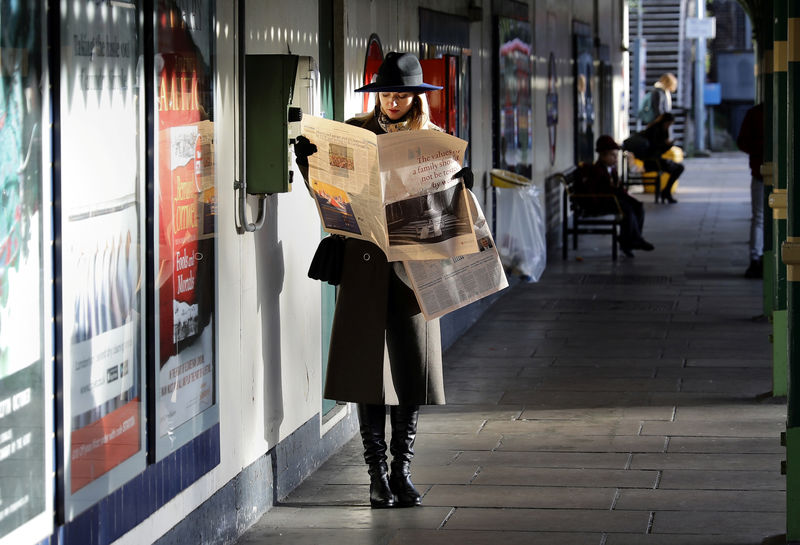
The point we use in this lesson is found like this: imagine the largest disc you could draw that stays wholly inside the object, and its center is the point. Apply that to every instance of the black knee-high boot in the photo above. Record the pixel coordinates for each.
(372, 420)
(404, 432)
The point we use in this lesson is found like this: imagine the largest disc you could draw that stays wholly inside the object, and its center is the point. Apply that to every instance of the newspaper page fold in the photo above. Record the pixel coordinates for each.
(444, 285)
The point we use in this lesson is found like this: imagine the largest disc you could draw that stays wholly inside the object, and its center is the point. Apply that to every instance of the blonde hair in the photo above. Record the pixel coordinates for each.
(668, 81)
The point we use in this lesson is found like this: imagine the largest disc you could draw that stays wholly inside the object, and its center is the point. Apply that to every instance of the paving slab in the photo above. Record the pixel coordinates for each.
(749, 412)
(683, 539)
(569, 477)
(693, 522)
(755, 385)
(736, 361)
(715, 428)
(549, 520)
(599, 413)
(701, 500)
(610, 427)
(529, 458)
(260, 535)
(726, 445)
(531, 497)
(743, 462)
(713, 479)
(582, 443)
(628, 361)
(480, 537)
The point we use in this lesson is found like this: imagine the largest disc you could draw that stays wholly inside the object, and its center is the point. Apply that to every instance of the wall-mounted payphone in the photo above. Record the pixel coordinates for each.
(275, 91)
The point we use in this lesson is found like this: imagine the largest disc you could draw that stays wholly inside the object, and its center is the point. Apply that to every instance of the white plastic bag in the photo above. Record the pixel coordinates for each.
(521, 238)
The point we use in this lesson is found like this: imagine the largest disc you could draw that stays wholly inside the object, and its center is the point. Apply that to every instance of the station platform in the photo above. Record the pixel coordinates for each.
(608, 404)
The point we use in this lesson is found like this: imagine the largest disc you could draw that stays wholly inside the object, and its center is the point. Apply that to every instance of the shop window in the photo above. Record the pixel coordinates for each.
(101, 249)
(25, 276)
(185, 368)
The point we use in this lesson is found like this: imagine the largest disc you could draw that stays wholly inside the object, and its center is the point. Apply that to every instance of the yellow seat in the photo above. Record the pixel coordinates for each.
(673, 154)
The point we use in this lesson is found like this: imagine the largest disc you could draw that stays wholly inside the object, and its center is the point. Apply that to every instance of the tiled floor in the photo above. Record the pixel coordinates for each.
(608, 404)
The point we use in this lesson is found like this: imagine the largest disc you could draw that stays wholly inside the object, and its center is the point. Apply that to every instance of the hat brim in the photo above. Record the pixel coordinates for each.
(377, 88)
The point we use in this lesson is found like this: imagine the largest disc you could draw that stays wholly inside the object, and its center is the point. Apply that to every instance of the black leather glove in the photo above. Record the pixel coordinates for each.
(302, 149)
(466, 175)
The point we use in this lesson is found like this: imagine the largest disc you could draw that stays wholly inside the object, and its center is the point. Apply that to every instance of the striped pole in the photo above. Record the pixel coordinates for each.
(777, 200)
(791, 257)
(766, 74)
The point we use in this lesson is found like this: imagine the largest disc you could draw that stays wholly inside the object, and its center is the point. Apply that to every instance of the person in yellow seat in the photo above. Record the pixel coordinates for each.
(658, 136)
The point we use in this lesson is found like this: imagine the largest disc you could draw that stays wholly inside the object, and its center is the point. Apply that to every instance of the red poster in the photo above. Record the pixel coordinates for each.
(186, 214)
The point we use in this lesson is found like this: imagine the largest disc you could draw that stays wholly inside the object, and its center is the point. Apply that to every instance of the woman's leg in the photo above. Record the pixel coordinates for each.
(675, 170)
(404, 432)
(372, 424)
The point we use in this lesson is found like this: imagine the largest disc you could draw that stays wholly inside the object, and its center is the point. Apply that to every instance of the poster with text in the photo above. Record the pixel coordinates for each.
(102, 207)
(515, 116)
(24, 308)
(186, 207)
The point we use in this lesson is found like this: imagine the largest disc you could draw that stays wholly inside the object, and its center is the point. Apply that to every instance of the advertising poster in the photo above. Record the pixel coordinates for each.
(186, 283)
(584, 93)
(24, 453)
(101, 247)
(516, 115)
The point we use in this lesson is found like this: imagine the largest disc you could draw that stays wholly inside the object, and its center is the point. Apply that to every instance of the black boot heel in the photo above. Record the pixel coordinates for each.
(403, 488)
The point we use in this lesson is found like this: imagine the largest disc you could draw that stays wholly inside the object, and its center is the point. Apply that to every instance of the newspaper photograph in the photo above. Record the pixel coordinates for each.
(427, 215)
(394, 190)
(444, 285)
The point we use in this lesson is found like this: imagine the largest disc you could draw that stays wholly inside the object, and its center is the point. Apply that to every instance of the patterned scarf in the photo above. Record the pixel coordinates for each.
(388, 125)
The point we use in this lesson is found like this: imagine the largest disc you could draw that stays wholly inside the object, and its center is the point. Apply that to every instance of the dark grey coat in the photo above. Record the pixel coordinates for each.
(382, 350)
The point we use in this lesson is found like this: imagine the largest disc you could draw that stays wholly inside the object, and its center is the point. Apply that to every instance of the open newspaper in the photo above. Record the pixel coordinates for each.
(394, 189)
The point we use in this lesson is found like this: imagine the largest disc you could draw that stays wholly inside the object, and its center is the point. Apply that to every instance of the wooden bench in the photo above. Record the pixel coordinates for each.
(592, 213)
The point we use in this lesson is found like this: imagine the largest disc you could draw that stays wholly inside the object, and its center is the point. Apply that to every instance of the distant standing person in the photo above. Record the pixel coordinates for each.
(751, 141)
(663, 89)
(659, 99)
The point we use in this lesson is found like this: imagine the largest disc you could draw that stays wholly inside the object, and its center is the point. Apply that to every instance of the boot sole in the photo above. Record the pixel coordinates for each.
(409, 504)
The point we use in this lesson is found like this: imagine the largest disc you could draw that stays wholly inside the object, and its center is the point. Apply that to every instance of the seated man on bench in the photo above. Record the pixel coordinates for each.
(602, 178)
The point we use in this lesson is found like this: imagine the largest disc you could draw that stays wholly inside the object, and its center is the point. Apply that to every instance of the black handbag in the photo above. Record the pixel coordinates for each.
(326, 265)
(638, 144)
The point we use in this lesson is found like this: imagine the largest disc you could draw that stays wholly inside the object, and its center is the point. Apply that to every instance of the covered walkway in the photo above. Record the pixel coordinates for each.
(608, 404)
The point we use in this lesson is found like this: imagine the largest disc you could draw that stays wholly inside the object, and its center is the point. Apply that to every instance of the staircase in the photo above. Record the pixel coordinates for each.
(667, 51)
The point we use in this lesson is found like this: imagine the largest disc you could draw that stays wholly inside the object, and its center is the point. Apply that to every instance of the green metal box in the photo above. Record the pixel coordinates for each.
(269, 85)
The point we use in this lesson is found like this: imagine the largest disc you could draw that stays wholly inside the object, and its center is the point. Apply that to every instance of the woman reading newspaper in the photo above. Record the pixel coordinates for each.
(375, 304)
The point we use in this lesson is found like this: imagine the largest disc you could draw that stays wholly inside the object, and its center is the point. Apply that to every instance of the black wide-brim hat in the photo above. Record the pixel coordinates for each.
(399, 72)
